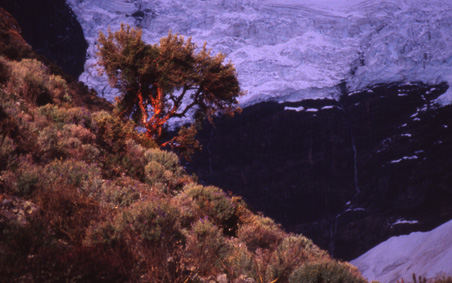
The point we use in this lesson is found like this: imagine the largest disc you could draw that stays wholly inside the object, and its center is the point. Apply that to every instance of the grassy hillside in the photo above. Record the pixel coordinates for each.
(85, 198)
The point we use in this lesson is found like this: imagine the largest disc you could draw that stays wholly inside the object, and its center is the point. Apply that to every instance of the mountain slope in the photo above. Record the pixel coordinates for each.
(84, 197)
(426, 254)
(51, 28)
(342, 172)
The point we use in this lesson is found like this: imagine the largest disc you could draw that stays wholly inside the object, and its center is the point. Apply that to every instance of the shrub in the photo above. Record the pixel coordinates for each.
(150, 231)
(24, 181)
(29, 79)
(197, 201)
(49, 143)
(111, 131)
(89, 153)
(163, 170)
(8, 125)
(62, 116)
(330, 271)
(260, 232)
(239, 262)
(17, 243)
(290, 253)
(66, 210)
(7, 151)
(68, 140)
(167, 159)
(75, 142)
(205, 247)
(58, 88)
(79, 132)
(155, 175)
(153, 223)
(4, 70)
(134, 161)
(78, 174)
(121, 192)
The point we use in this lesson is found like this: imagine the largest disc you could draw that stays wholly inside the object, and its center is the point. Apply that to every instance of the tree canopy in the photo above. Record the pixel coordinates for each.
(173, 79)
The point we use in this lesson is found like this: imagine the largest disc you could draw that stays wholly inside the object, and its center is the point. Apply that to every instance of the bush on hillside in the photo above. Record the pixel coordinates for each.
(198, 201)
(260, 232)
(205, 247)
(322, 272)
(31, 80)
(84, 197)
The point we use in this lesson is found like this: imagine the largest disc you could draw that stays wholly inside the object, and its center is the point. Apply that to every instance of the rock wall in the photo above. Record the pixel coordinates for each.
(51, 28)
(349, 173)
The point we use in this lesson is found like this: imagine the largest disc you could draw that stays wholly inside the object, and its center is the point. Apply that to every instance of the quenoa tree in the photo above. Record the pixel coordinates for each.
(172, 79)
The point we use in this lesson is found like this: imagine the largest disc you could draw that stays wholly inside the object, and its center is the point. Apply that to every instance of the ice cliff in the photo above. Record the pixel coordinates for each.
(288, 50)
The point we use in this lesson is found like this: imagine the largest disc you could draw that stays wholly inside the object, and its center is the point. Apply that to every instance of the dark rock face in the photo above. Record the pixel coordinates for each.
(343, 173)
(51, 28)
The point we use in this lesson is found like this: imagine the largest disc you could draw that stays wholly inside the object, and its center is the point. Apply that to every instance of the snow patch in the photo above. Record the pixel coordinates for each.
(355, 209)
(427, 254)
(404, 221)
(431, 90)
(404, 158)
(328, 107)
(298, 109)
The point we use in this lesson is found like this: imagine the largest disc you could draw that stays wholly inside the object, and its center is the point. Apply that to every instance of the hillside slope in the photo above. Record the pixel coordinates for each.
(341, 172)
(84, 197)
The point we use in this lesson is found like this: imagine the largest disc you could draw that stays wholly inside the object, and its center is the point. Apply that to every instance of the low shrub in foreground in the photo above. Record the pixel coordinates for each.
(206, 247)
(326, 272)
(200, 201)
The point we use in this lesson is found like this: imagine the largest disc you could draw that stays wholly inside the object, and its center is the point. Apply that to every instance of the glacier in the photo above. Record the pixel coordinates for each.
(290, 50)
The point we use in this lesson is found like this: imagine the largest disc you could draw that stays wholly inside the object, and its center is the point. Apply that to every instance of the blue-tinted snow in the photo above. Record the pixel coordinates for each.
(288, 50)
(427, 254)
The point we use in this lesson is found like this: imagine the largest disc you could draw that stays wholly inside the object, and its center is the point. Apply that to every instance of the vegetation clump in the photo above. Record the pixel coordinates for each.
(167, 81)
(84, 197)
